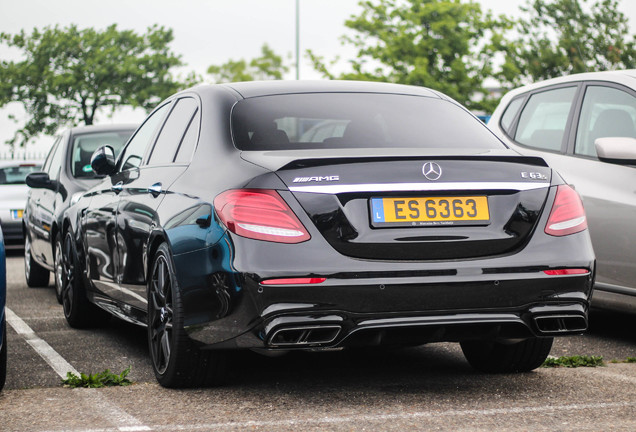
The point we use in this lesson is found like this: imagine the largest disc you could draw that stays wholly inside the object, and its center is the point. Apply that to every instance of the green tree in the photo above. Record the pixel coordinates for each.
(561, 37)
(269, 66)
(67, 74)
(447, 45)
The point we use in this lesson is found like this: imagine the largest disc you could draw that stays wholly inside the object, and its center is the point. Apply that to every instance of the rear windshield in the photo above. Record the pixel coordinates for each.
(355, 120)
(17, 174)
(84, 145)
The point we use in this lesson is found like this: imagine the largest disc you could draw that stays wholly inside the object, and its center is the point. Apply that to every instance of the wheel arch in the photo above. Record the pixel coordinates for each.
(157, 237)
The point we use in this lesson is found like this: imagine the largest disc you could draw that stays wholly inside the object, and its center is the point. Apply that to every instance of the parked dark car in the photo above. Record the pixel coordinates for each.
(584, 126)
(3, 319)
(65, 175)
(219, 229)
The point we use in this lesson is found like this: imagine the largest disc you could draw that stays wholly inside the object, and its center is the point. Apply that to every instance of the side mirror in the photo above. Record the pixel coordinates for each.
(103, 161)
(617, 150)
(40, 180)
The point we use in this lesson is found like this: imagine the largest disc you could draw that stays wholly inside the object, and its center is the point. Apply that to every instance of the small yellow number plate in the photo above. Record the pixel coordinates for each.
(430, 211)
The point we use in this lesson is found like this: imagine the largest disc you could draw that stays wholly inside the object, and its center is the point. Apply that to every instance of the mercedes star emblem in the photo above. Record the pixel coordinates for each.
(432, 171)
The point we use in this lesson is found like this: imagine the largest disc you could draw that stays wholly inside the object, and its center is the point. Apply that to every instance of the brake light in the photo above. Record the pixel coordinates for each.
(293, 281)
(567, 215)
(566, 272)
(259, 214)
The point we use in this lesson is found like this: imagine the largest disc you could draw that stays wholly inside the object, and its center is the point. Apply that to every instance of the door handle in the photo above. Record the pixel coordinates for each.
(155, 189)
(118, 187)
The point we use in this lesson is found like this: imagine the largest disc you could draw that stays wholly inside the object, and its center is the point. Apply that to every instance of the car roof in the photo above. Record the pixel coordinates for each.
(103, 128)
(626, 77)
(250, 89)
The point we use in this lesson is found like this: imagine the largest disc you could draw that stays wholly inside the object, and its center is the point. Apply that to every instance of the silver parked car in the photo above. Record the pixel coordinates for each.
(584, 126)
(13, 197)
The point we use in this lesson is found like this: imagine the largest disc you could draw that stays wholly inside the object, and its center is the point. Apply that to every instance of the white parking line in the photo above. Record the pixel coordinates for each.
(357, 419)
(56, 361)
(124, 421)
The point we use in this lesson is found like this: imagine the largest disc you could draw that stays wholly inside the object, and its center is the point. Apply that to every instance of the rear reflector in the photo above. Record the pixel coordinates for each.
(293, 281)
(259, 214)
(567, 215)
(566, 272)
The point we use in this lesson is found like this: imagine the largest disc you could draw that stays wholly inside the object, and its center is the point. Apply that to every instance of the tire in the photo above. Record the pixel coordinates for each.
(3, 355)
(176, 361)
(58, 273)
(497, 357)
(36, 275)
(78, 311)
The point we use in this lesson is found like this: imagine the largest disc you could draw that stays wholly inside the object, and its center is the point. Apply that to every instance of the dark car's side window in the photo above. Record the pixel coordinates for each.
(606, 112)
(55, 162)
(49, 157)
(544, 118)
(173, 132)
(189, 142)
(134, 151)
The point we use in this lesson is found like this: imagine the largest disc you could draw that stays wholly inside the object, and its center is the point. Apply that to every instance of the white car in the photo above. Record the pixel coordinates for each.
(13, 197)
(584, 126)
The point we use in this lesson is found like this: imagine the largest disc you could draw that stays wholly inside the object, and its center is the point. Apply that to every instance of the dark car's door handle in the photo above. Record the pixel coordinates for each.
(118, 187)
(155, 189)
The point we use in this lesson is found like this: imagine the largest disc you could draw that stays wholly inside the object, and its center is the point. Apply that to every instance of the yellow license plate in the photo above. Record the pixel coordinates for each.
(16, 214)
(427, 211)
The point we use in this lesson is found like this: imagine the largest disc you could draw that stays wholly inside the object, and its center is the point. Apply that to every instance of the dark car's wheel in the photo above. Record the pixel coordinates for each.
(498, 357)
(176, 361)
(59, 268)
(79, 312)
(3, 355)
(35, 274)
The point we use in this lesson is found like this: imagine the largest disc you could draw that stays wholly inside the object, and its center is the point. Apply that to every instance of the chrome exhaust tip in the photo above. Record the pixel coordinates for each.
(304, 336)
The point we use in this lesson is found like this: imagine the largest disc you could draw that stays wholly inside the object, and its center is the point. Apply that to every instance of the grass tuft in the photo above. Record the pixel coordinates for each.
(98, 380)
(573, 361)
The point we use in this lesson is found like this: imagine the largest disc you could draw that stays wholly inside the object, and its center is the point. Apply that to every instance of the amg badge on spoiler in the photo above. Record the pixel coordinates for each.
(316, 179)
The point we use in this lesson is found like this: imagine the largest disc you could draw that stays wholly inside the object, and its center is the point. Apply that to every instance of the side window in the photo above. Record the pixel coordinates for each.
(173, 131)
(49, 157)
(544, 119)
(134, 151)
(55, 161)
(511, 113)
(189, 141)
(606, 112)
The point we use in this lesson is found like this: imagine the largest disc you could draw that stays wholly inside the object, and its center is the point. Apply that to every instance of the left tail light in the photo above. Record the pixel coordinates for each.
(567, 215)
(259, 214)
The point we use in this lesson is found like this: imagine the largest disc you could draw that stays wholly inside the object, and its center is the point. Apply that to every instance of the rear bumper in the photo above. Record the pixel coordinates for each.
(400, 310)
(380, 301)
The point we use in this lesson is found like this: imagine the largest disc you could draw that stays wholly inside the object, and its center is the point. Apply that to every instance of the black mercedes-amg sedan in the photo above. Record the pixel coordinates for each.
(400, 219)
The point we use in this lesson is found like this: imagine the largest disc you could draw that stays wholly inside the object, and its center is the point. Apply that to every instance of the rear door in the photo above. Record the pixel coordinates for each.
(560, 125)
(143, 192)
(99, 221)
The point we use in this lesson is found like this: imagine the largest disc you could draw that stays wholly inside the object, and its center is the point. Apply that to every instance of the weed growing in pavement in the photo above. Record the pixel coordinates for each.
(98, 380)
(573, 361)
(627, 360)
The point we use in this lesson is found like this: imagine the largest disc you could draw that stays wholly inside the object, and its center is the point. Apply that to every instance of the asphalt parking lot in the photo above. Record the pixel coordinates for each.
(425, 388)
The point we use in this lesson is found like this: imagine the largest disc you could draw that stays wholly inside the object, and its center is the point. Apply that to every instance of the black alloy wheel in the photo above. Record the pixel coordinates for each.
(78, 311)
(502, 357)
(36, 276)
(59, 274)
(176, 361)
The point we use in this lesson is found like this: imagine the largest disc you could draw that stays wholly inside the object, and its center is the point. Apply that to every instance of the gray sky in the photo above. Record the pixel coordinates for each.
(209, 31)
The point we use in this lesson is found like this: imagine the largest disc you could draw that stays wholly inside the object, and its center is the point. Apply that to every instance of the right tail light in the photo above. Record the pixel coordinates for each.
(567, 215)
